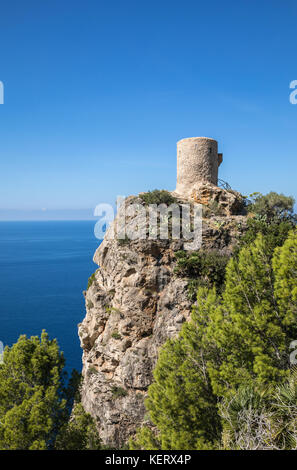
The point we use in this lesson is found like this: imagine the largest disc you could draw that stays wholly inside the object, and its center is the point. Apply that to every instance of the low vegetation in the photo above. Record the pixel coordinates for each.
(91, 280)
(36, 403)
(158, 196)
(116, 335)
(226, 382)
(261, 418)
(79, 433)
(213, 208)
(202, 268)
(124, 241)
(90, 304)
(271, 215)
(118, 392)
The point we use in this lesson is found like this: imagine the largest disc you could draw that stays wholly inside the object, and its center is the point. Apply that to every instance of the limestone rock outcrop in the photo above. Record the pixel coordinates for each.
(227, 202)
(135, 302)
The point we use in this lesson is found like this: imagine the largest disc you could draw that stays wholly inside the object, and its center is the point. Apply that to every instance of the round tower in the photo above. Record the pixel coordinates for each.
(197, 161)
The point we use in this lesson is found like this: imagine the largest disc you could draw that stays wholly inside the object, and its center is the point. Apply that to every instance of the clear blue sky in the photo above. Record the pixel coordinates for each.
(98, 92)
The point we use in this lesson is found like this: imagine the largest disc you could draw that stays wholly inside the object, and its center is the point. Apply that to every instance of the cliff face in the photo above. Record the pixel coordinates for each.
(134, 304)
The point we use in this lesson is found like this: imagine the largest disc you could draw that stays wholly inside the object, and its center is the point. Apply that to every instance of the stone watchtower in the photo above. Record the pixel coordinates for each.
(198, 161)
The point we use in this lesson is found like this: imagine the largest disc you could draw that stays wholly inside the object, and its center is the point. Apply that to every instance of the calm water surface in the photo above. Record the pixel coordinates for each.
(44, 267)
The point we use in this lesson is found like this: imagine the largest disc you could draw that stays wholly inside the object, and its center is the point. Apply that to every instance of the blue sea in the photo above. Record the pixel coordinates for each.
(44, 267)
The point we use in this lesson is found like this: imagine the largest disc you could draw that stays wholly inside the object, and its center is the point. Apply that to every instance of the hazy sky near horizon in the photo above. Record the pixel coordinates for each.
(98, 93)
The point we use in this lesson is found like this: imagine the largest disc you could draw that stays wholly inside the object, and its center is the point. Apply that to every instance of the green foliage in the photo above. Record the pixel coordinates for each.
(111, 310)
(32, 396)
(91, 280)
(118, 392)
(157, 197)
(92, 370)
(251, 329)
(239, 337)
(116, 335)
(90, 304)
(247, 421)
(124, 241)
(203, 268)
(273, 216)
(79, 433)
(272, 207)
(275, 233)
(285, 274)
(180, 401)
(213, 208)
(283, 404)
(72, 391)
(145, 439)
(35, 405)
(255, 419)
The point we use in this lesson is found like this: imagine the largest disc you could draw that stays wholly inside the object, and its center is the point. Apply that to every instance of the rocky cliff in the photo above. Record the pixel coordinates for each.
(134, 302)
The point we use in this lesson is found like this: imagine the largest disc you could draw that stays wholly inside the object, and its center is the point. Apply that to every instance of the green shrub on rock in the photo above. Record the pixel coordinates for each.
(118, 392)
(202, 268)
(158, 196)
(91, 280)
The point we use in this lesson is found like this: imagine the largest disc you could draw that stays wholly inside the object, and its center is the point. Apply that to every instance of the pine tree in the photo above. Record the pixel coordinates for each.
(254, 324)
(240, 337)
(32, 405)
(180, 401)
(35, 405)
(285, 272)
(79, 433)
